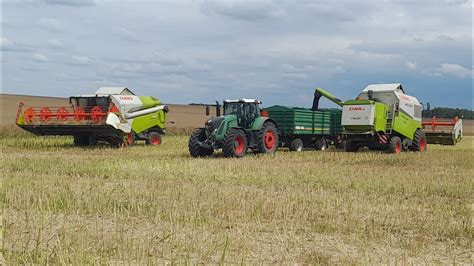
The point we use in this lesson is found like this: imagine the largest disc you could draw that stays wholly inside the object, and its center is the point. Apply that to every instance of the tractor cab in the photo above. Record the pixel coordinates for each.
(246, 110)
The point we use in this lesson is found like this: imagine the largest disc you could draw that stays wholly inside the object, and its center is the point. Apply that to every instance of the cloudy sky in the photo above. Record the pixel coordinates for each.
(202, 50)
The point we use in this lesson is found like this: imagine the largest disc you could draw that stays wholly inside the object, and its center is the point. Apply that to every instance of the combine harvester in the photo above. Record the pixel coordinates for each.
(113, 114)
(382, 117)
(443, 132)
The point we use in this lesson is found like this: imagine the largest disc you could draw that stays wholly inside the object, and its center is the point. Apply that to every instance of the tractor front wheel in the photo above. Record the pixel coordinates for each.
(235, 143)
(268, 138)
(395, 145)
(296, 145)
(195, 149)
(154, 138)
(419, 141)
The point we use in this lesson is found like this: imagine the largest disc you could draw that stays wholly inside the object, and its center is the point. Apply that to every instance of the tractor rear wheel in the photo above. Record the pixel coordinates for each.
(154, 138)
(351, 146)
(395, 145)
(235, 143)
(199, 135)
(419, 141)
(321, 145)
(268, 138)
(296, 145)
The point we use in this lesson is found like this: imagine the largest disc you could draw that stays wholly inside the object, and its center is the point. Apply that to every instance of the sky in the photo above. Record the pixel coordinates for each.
(277, 51)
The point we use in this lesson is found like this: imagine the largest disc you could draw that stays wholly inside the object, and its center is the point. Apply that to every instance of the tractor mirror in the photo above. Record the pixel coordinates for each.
(208, 111)
(370, 94)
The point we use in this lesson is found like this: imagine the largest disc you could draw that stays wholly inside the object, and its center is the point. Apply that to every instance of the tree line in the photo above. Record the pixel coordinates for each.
(444, 112)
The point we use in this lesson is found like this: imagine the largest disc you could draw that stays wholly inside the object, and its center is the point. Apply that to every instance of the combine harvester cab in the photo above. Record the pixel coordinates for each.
(382, 117)
(443, 132)
(114, 115)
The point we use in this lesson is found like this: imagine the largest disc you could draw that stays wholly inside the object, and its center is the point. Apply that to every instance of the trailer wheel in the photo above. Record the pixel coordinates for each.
(199, 135)
(351, 146)
(395, 145)
(154, 139)
(235, 143)
(419, 141)
(321, 145)
(268, 138)
(296, 145)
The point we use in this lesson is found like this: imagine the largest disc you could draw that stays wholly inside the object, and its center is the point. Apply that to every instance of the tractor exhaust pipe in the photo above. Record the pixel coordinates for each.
(218, 109)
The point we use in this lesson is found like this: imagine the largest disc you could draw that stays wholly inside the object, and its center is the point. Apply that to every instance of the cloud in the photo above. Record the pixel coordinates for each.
(71, 2)
(7, 44)
(81, 60)
(454, 70)
(51, 24)
(37, 57)
(246, 10)
(55, 44)
(411, 65)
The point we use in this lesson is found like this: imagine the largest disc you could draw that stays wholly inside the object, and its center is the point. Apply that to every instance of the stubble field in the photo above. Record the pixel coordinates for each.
(138, 205)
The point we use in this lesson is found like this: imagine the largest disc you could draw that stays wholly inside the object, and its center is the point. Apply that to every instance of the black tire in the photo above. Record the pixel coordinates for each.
(81, 140)
(92, 141)
(268, 138)
(351, 146)
(199, 135)
(395, 145)
(419, 141)
(340, 143)
(321, 145)
(296, 145)
(235, 143)
(154, 139)
(85, 140)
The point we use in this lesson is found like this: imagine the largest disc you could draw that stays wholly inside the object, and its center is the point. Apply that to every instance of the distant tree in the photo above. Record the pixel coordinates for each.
(444, 112)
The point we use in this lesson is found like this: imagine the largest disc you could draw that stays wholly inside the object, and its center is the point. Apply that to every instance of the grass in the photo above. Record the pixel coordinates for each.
(137, 205)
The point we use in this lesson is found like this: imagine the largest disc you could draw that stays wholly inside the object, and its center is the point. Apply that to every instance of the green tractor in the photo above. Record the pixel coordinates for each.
(241, 127)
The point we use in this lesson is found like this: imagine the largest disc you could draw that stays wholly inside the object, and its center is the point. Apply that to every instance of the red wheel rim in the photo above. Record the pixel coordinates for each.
(130, 138)
(269, 140)
(155, 140)
(29, 115)
(79, 114)
(239, 144)
(62, 113)
(45, 114)
(398, 148)
(422, 144)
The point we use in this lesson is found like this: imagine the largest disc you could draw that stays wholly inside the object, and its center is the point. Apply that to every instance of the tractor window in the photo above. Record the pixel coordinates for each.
(233, 108)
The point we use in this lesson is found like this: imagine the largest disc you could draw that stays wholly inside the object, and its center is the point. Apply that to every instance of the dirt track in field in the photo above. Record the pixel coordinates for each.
(180, 116)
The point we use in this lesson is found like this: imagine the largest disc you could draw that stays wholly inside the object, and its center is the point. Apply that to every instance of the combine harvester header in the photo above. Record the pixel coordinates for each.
(113, 114)
(443, 132)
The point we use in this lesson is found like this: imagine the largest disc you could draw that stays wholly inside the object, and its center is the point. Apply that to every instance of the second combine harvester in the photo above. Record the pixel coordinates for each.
(382, 117)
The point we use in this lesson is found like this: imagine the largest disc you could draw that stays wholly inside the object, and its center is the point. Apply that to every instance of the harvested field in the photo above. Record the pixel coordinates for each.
(64, 204)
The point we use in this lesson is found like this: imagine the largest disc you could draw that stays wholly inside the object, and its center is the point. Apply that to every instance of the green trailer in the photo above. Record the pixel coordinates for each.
(302, 127)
